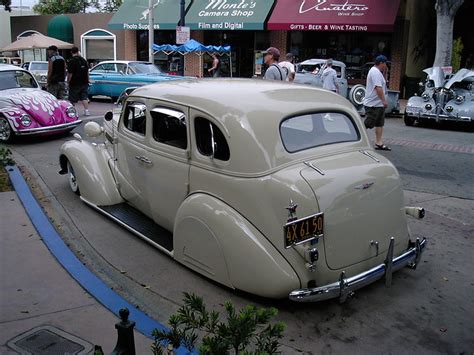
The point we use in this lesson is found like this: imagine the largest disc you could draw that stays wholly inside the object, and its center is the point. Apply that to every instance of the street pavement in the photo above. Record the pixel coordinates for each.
(429, 310)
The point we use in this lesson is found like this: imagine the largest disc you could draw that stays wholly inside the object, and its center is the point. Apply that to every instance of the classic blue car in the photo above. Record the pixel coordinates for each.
(111, 78)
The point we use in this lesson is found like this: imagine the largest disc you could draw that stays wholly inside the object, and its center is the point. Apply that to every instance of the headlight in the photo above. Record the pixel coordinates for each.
(459, 99)
(425, 96)
(428, 107)
(449, 108)
(25, 120)
(71, 112)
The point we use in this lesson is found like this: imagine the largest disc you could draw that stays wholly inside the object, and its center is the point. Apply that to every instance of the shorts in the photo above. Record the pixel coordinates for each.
(374, 117)
(59, 90)
(78, 93)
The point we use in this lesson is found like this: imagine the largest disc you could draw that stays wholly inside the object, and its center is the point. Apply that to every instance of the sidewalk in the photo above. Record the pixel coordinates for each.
(36, 291)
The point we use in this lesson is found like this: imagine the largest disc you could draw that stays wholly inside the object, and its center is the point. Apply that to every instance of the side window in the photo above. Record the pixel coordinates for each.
(134, 117)
(169, 127)
(121, 68)
(98, 69)
(207, 135)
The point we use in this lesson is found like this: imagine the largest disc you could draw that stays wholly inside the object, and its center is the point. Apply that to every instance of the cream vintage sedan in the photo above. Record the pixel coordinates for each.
(267, 187)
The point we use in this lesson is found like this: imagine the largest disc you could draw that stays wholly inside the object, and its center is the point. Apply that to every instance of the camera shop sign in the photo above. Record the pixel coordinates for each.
(225, 14)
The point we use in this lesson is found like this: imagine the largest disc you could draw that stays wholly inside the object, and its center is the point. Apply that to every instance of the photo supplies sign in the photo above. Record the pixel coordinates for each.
(182, 34)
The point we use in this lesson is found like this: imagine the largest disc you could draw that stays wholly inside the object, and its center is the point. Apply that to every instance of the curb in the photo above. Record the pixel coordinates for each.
(89, 281)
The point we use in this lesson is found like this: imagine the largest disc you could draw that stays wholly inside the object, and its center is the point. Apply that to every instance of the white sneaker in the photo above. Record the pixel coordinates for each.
(87, 113)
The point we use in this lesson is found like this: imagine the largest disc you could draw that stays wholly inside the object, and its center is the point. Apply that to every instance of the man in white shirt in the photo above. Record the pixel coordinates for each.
(375, 101)
(329, 77)
(288, 67)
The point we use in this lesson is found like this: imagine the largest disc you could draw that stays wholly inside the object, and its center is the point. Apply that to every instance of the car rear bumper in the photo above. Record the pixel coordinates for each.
(49, 129)
(346, 286)
(441, 117)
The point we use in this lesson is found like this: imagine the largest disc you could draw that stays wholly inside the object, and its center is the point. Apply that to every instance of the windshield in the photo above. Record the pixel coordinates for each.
(16, 79)
(144, 68)
(39, 66)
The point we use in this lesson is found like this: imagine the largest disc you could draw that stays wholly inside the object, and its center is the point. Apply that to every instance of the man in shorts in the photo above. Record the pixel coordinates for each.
(78, 80)
(375, 101)
(56, 84)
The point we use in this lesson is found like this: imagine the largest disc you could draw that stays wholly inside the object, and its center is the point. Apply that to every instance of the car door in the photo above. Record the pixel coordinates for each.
(132, 166)
(168, 151)
(341, 79)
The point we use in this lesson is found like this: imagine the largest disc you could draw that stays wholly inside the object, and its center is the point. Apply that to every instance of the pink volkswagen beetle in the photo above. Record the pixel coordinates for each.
(25, 109)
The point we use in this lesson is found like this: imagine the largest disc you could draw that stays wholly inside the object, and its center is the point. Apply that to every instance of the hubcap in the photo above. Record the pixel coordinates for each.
(72, 178)
(5, 130)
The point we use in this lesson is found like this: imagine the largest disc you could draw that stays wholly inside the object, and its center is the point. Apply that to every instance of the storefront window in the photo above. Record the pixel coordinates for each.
(98, 45)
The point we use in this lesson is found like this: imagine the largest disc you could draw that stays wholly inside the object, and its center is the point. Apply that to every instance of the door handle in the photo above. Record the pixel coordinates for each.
(144, 159)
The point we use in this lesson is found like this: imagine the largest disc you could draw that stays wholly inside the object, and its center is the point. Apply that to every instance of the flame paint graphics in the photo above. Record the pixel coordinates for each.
(37, 101)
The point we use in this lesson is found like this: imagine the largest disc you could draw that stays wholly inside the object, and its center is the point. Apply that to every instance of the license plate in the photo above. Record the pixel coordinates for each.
(303, 230)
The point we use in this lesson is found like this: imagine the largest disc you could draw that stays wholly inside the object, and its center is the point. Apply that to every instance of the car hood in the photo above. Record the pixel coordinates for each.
(461, 75)
(43, 107)
(437, 75)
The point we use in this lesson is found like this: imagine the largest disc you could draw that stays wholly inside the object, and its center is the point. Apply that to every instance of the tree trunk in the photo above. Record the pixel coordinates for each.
(445, 13)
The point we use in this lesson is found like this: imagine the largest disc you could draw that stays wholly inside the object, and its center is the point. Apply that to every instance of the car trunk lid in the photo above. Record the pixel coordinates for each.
(362, 201)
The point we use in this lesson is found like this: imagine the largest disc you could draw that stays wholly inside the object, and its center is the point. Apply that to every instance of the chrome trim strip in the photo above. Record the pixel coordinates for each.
(60, 127)
(311, 165)
(129, 83)
(345, 286)
(366, 153)
(444, 117)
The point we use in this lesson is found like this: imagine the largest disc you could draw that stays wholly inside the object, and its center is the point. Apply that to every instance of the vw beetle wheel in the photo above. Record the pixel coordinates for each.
(357, 95)
(72, 179)
(6, 133)
(409, 121)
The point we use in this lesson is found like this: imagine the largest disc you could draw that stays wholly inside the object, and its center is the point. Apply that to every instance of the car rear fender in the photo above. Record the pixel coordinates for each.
(93, 174)
(213, 239)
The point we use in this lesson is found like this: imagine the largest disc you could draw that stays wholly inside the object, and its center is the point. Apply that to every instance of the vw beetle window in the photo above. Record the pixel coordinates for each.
(169, 127)
(134, 118)
(207, 135)
(316, 129)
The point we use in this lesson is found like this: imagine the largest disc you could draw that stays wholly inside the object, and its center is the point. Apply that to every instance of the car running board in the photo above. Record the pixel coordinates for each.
(139, 224)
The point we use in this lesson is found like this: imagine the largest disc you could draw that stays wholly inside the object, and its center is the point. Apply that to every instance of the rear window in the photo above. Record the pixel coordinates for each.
(316, 129)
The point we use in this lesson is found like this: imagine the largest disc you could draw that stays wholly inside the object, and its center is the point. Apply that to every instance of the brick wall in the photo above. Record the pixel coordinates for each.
(399, 53)
(192, 62)
(279, 40)
(130, 45)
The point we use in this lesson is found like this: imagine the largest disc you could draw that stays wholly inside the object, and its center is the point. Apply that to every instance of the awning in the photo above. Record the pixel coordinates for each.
(133, 15)
(228, 14)
(334, 15)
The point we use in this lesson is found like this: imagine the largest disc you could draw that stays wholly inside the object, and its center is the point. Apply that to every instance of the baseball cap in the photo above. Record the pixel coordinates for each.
(381, 59)
(52, 48)
(273, 51)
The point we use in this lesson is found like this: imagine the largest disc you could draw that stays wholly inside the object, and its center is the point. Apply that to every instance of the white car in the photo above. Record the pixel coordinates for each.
(262, 186)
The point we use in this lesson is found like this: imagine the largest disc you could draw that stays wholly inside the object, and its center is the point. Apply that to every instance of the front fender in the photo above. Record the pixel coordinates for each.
(213, 239)
(93, 174)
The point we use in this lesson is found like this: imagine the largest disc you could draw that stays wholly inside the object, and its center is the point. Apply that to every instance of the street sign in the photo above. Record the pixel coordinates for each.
(183, 34)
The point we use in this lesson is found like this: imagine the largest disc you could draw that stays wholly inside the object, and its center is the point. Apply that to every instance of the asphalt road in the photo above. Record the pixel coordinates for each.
(430, 310)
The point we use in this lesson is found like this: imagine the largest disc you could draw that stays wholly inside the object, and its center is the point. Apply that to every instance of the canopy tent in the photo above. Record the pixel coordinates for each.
(36, 40)
(193, 46)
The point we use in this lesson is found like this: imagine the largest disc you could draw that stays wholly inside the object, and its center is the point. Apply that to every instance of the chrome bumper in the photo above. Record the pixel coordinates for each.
(441, 117)
(346, 286)
(49, 129)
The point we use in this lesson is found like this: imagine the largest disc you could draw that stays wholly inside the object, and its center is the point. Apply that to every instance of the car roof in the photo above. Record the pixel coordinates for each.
(321, 61)
(122, 62)
(8, 67)
(249, 112)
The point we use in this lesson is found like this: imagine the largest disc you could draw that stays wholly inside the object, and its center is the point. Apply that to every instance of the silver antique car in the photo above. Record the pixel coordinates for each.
(443, 99)
(266, 187)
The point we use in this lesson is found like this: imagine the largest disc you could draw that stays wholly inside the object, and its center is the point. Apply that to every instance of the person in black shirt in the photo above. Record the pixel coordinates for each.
(56, 84)
(78, 80)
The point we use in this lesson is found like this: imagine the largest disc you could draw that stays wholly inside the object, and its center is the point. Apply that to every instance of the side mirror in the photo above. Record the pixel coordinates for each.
(108, 116)
(93, 129)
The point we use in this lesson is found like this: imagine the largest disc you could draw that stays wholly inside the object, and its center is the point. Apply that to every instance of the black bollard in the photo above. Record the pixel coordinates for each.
(125, 341)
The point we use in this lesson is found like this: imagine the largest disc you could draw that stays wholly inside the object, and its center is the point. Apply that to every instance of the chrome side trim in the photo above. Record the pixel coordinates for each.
(366, 153)
(441, 116)
(57, 128)
(344, 287)
(312, 166)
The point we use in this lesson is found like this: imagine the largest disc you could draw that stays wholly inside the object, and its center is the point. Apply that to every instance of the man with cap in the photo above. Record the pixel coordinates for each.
(274, 72)
(375, 101)
(288, 67)
(56, 84)
(329, 77)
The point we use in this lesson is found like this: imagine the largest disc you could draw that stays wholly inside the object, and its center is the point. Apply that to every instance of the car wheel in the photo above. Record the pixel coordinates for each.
(357, 95)
(409, 121)
(72, 179)
(6, 132)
